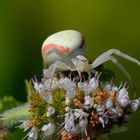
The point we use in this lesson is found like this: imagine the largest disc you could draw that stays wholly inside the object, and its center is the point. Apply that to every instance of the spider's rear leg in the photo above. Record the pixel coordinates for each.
(108, 56)
(105, 57)
(121, 67)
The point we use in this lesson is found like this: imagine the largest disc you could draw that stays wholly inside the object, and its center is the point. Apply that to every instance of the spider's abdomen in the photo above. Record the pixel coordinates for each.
(68, 42)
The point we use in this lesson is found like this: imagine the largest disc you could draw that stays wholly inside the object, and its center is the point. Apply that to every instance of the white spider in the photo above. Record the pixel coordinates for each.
(65, 50)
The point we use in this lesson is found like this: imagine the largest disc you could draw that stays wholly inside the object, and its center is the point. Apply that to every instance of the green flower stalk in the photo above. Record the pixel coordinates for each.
(15, 115)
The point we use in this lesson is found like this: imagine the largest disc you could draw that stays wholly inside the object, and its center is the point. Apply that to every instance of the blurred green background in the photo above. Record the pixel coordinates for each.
(105, 24)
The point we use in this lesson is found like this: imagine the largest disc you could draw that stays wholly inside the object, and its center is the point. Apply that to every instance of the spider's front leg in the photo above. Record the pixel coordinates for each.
(54, 55)
(58, 66)
(57, 62)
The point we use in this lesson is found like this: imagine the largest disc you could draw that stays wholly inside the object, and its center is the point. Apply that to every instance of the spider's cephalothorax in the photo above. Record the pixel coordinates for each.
(69, 42)
(65, 51)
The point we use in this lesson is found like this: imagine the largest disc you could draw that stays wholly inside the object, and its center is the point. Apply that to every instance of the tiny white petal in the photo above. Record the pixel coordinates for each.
(80, 86)
(108, 87)
(36, 85)
(119, 111)
(47, 97)
(86, 88)
(25, 125)
(70, 94)
(67, 109)
(61, 83)
(50, 111)
(55, 84)
(102, 121)
(41, 88)
(123, 93)
(114, 88)
(33, 135)
(123, 97)
(134, 105)
(83, 121)
(79, 112)
(109, 104)
(67, 101)
(88, 102)
(69, 122)
(48, 129)
(93, 83)
(100, 109)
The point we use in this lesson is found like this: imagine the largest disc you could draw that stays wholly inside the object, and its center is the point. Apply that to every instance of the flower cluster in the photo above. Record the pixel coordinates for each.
(64, 109)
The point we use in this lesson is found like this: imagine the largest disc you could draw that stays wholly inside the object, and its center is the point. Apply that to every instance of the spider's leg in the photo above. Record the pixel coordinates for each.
(122, 68)
(56, 67)
(102, 58)
(51, 54)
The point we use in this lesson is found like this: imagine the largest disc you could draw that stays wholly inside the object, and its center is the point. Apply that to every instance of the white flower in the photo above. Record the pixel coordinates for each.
(123, 97)
(79, 113)
(41, 88)
(67, 109)
(36, 84)
(83, 121)
(88, 87)
(109, 104)
(61, 83)
(114, 88)
(47, 97)
(112, 114)
(85, 87)
(100, 109)
(93, 83)
(67, 101)
(70, 87)
(33, 135)
(50, 111)
(25, 125)
(69, 122)
(80, 85)
(48, 129)
(70, 93)
(88, 102)
(103, 120)
(68, 84)
(48, 84)
(108, 88)
(134, 105)
(55, 84)
(119, 111)
(123, 93)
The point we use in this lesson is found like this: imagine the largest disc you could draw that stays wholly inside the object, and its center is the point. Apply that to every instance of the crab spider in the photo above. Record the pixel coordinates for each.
(65, 50)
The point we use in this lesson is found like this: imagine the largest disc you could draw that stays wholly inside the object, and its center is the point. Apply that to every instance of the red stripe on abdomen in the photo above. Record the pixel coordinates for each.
(49, 47)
